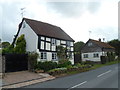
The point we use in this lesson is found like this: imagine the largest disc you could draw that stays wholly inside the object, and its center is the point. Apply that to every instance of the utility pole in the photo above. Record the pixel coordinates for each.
(89, 34)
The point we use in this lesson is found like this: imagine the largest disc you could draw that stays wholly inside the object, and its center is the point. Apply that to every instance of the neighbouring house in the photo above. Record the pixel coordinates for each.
(43, 38)
(92, 50)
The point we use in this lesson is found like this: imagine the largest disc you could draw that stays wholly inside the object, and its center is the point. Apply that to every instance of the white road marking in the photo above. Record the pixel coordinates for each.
(104, 73)
(77, 85)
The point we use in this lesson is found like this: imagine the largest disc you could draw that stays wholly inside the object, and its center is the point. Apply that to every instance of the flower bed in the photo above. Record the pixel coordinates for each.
(58, 71)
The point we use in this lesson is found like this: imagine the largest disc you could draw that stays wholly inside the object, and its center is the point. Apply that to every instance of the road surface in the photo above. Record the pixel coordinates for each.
(104, 77)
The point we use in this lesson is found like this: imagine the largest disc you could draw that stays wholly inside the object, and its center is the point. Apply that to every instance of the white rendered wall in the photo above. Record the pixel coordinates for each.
(90, 56)
(30, 37)
(49, 56)
(72, 59)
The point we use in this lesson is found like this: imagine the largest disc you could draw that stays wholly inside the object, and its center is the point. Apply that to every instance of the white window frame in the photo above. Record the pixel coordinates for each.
(53, 41)
(85, 55)
(96, 55)
(54, 56)
(90, 44)
(43, 56)
(68, 43)
(42, 38)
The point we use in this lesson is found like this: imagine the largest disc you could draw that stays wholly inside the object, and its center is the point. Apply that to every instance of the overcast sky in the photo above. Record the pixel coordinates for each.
(81, 19)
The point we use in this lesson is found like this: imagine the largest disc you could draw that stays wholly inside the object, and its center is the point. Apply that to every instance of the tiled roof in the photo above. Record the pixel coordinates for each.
(45, 29)
(102, 44)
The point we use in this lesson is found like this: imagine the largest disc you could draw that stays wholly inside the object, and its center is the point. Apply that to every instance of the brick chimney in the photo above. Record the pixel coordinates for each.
(100, 39)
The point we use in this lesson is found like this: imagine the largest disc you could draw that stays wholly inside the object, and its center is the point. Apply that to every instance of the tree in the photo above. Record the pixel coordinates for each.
(116, 44)
(61, 52)
(77, 51)
(20, 45)
(5, 44)
(77, 46)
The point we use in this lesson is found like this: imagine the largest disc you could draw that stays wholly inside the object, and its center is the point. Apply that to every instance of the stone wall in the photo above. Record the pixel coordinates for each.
(2, 65)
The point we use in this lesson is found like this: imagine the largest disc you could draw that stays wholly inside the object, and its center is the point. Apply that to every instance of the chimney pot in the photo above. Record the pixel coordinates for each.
(100, 39)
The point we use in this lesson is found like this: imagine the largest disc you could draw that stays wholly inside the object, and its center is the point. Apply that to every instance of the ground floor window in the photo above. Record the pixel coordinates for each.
(43, 55)
(54, 56)
(95, 55)
(85, 55)
(69, 55)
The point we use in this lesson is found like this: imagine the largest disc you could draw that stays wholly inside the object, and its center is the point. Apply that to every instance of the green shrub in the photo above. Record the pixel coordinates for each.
(9, 49)
(47, 65)
(57, 71)
(78, 65)
(89, 62)
(32, 61)
(20, 45)
(63, 63)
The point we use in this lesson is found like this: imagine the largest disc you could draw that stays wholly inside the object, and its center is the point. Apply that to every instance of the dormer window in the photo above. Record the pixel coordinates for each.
(90, 44)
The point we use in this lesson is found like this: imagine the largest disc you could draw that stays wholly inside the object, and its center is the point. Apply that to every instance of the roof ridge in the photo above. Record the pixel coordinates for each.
(102, 44)
(41, 22)
(46, 29)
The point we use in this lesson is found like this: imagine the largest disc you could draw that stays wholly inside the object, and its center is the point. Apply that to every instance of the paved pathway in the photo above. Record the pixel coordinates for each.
(23, 78)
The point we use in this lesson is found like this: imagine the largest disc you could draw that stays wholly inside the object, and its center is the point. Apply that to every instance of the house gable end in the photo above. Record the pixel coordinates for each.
(90, 46)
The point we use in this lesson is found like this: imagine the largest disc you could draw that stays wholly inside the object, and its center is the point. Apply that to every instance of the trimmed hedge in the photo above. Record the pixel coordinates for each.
(47, 65)
(63, 63)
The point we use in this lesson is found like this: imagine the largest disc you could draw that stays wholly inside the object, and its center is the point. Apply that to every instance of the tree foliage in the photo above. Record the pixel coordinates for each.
(19, 48)
(77, 46)
(32, 60)
(61, 52)
(5, 44)
(77, 51)
(20, 45)
(116, 44)
(9, 49)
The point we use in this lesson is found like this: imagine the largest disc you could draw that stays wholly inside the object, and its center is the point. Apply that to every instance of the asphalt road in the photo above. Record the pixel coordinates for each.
(104, 77)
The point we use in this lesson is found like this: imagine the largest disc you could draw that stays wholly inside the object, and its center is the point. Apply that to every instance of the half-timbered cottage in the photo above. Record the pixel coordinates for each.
(44, 38)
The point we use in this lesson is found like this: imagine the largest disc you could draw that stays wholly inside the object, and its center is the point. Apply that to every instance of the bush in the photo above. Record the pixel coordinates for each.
(89, 62)
(63, 63)
(20, 45)
(57, 71)
(47, 65)
(32, 61)
(9, 49)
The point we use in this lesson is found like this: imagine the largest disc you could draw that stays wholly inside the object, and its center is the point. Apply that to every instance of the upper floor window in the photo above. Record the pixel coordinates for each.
(68, 43)
(90, 44)
(43, 55)
(53, 41)
(42, 38)
(95, 55)
(85, 55)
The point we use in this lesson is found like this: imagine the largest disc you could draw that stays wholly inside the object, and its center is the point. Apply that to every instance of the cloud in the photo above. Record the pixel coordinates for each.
(9, 19)
(73, 9)
(107, 32)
